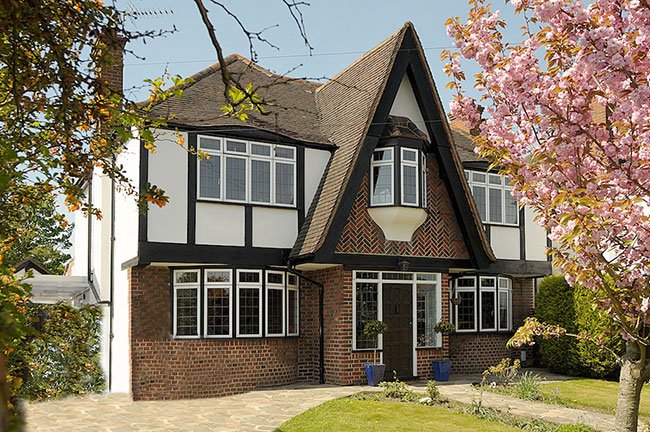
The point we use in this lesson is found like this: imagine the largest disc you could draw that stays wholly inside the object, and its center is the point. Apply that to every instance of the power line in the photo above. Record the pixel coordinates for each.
(325, 54)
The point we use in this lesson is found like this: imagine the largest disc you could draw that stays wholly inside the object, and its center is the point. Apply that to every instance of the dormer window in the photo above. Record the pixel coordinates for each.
(398, 177)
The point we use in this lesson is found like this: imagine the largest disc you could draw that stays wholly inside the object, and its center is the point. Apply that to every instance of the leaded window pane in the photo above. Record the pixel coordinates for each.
(249, 277)
(249, 311)
(478, 192)
(284, 183)
(293, 312)
(427, 315)
(504, 320)
(186, 277)
(382, 184)
(397, 276)
(217, 276)
(235, 179)
(236, 146)
(465, 311)
(284, 152)
(210, 143)
(367, 298)
(260, 181)
(275, 311)
(367, 275)
(383, 155)
(259, 149)
(495, 205)
(410, 184)
(275, 278)
(512, 210)
(186, 311)
(218, 311)
(488, 313)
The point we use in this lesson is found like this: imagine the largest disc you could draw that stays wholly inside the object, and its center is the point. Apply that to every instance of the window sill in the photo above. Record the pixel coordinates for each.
(479, 332)
(428, 348)
(501, 224)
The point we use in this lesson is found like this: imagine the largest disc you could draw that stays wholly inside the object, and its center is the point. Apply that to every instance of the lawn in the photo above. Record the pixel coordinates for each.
(367, 416)
(597, 394)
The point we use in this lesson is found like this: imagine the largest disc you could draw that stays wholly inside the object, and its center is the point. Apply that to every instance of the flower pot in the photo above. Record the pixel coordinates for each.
(441, 369)
(375, 373)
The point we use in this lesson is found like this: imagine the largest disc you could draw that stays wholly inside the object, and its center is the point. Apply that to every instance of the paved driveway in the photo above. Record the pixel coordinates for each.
(260, 410)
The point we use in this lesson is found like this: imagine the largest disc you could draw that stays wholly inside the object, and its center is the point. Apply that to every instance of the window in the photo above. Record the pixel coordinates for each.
(274, 304)
(426, 302)
(493, 197)
(186, 300)
(218, 303)
(293, 303)
(494, 297)
(488, 303)
(405, 180)
(466, 310)
(245, 171)
(249, 311)
(505, 304)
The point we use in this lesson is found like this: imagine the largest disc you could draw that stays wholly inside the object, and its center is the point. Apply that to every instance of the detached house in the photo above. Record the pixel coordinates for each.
(352, 200)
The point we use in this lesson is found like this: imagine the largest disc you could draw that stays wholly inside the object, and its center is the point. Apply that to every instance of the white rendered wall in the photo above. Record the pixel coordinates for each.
(315, 164)
(80, 247)
(275, 228)
(406, 105)
(505, 242)
(168, 170)
(535, 238)
(220, 224)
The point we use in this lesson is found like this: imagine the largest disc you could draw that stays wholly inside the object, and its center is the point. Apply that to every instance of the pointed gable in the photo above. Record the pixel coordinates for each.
(354, 107)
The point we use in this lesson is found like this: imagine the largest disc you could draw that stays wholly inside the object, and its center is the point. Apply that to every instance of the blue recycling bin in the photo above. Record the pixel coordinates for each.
(441, 369)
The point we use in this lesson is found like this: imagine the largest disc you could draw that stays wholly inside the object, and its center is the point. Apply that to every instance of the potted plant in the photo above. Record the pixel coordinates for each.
(442, 368)
(374, 371)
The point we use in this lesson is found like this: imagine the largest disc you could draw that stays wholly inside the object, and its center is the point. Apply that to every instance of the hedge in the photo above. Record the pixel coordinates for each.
(61, 355)
(573, 308)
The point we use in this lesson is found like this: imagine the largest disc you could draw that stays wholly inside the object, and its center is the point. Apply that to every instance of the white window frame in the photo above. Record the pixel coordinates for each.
(249, 285)
(208, 285)
(380, 315)
(502, 186)
(415, 164)
(481, 290)
(508, 290)
(277, 287)
(473, 290)
(391, 164)
(423, 158)
(293, 288)
(196, 285)
(248, 156)
(438, 294)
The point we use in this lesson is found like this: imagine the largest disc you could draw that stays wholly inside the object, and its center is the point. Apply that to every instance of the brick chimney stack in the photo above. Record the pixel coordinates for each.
(111, 69)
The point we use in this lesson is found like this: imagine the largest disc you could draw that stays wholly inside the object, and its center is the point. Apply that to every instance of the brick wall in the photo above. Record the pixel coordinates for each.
(164, 368)
(439, 236)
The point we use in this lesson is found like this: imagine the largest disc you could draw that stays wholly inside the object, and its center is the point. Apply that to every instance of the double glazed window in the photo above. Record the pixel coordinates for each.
(212, 302)
(493, 197)
(485, 303)
(425, 289)
(398, 177)
(246, 172)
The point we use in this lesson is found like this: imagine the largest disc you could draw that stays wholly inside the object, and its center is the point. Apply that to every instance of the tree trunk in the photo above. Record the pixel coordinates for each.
(629, 390)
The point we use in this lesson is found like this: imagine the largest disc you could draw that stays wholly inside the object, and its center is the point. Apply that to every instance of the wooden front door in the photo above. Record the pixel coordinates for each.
(397, 311)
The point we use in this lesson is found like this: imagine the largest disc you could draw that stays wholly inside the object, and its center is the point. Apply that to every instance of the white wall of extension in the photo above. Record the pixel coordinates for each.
(535, 238)
(406, 105)
(275, 228)
(315, 165)
(505, 242)
(219, 224)
(168, 170)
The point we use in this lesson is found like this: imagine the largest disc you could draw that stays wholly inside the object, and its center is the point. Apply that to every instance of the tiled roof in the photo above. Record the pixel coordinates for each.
(463, 140)
(291, 103)
(347, 104)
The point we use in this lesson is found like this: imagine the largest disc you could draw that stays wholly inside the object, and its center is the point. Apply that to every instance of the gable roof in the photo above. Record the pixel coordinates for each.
(354, 108)
(290, 102)
(30, 264)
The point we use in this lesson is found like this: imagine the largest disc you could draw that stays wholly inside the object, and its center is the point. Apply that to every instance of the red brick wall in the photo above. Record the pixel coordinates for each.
(342, 365)
(439, 236)
(164, 368)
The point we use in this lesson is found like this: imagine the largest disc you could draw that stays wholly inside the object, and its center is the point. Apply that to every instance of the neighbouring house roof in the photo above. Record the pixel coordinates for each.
(30, 264)
(290, 102)
(464, 143)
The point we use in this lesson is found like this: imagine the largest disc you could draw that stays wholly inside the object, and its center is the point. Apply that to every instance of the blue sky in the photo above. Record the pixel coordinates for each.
(339, 31)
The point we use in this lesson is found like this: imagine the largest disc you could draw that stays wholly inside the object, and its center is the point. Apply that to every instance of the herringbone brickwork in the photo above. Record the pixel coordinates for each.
(439, 236)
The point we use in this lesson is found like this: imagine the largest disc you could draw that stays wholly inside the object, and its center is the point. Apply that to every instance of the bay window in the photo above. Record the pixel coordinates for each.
(484, 303)
(218, 302)
(393, 183)
(466, 310)
(246, 172)
(488, 292)
(493, 197)
(249, 311)
(505, 304)
(275, 303)
(186, 301)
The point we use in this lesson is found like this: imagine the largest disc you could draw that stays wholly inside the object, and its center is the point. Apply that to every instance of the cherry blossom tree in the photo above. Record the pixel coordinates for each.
(565, 113)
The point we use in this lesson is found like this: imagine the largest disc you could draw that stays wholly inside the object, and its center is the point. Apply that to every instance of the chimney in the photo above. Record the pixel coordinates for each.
(476, 130)
(110, 64)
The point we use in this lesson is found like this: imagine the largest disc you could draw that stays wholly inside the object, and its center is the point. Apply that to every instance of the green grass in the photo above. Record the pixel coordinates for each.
(367, 416)
(590, 393)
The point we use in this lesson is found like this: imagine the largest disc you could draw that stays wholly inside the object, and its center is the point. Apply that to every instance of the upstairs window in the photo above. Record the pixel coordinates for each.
(246, 172)
(398, 177)
(493, 197)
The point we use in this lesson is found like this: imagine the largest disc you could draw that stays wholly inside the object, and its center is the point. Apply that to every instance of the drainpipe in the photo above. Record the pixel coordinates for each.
(321, 322)
(111, 285)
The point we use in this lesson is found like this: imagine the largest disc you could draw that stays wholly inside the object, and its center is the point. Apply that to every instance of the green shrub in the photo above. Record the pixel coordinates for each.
(433, 392)
(580, 427)
(502, 374)
(528, 387)
(61, 357)
(558, 303)
(398, 390)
